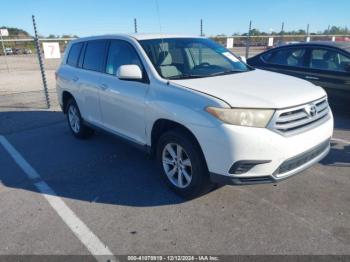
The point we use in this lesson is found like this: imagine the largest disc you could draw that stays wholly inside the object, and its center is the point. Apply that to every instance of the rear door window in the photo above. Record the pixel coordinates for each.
(95, 54)
(294, 57)
(327, 59)
(74, 54)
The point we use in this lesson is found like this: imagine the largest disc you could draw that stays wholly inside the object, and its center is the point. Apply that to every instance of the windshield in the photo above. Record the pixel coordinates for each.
(180, 58)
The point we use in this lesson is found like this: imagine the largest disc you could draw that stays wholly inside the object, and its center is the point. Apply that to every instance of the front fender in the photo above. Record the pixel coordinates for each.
(180, 105)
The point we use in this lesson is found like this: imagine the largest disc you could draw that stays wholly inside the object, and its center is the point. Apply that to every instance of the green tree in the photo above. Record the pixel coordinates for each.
(337, 30)
(16, 32)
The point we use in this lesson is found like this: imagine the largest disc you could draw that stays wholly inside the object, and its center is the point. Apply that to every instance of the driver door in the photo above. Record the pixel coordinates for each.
(286, 60)
(123, 101)
(327, 68)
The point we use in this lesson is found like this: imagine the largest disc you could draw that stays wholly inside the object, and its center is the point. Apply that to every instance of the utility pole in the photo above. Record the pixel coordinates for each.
(282, 32)
(201, 28)
(41, 64)
(135, 25)
(248, 40)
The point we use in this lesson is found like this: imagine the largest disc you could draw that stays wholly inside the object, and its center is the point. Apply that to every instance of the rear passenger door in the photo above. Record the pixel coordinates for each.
(68, 73)
(327, 68)
(123, 101)
(92, 64)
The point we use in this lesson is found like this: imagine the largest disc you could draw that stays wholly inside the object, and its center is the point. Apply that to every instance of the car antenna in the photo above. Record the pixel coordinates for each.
(160, 30)
(160, 24)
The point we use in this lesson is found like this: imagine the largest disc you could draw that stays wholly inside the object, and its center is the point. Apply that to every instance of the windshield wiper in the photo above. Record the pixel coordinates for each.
(186, 76)
(227, 72)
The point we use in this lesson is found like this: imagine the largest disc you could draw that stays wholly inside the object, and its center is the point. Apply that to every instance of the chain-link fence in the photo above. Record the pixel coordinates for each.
(21, 83)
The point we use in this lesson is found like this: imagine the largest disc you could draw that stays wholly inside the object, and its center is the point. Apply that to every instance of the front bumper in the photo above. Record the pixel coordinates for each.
(287, 169)
(280, 156)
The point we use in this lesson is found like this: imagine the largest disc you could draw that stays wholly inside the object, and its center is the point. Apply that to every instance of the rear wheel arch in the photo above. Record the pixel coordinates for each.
(66, 97)
(75, 121)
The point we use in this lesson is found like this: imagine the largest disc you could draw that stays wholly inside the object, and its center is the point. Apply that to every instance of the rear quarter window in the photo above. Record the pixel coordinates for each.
(74, 53)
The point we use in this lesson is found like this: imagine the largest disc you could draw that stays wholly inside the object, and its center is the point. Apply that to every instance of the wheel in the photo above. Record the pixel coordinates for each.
(76, 123)
(182, 164)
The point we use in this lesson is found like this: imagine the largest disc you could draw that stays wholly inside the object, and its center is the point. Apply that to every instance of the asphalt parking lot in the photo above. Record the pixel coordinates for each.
(115, 191)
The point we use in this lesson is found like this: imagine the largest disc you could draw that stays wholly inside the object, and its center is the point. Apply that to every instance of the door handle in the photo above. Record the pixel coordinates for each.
(75, 79)
(103, 87)
(311, 77)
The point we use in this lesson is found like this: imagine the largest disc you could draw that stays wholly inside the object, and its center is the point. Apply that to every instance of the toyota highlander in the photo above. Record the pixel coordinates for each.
(205, 115)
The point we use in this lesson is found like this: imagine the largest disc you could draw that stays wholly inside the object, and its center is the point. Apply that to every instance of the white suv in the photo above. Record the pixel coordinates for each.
(205, 115)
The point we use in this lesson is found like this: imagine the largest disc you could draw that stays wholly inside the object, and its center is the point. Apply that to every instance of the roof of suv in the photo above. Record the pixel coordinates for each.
(341, 45)
(160, 36)
(140, 36)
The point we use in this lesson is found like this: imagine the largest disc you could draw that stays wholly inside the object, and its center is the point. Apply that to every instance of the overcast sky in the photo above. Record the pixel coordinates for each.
(92, 17)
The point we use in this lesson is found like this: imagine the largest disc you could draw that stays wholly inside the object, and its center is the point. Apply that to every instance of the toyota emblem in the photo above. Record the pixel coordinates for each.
(311, 110)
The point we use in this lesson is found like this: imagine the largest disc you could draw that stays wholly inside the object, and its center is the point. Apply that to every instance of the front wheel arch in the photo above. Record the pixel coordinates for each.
(163, 125)
(198, 173)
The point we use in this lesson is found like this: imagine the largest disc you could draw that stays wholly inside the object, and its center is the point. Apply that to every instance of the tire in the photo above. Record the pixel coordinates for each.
(75, 121)
(194, 179)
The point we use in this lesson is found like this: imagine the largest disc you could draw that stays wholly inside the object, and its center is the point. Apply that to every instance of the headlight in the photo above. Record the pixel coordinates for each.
(242, 116)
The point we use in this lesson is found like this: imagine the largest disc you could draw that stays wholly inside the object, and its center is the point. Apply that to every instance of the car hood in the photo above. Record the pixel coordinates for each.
(256, 89)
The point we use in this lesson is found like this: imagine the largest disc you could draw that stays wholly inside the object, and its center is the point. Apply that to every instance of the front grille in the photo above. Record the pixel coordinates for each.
(301, 159)
(301, 118)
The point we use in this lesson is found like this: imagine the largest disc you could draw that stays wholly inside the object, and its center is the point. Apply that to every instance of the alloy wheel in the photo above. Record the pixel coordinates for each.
(74, 120)
(177, 165)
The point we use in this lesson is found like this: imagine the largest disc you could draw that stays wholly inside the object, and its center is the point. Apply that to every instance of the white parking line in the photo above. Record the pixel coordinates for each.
(81, 231)
(341, 140)
(31, 173)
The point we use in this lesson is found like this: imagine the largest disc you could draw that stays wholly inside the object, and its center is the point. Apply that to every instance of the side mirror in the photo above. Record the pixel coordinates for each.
(243, 59)
(129, 72)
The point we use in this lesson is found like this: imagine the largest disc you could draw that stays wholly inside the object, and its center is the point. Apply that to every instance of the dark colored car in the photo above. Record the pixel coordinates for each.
(17, 51)
(325, 64)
